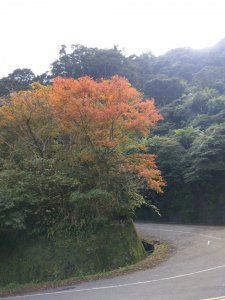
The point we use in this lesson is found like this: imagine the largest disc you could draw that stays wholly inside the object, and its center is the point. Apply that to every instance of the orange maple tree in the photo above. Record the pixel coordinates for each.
(84, 140)
(106, 120)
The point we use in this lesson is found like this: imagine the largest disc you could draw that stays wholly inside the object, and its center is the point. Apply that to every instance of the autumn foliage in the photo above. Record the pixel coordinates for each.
(87, 134)
(105, 118)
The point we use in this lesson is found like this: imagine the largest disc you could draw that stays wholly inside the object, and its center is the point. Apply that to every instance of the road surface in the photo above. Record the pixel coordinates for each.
(196, 270)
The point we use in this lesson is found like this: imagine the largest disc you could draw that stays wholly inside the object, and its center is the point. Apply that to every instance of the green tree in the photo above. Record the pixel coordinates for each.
(19, 79)
(164, 90)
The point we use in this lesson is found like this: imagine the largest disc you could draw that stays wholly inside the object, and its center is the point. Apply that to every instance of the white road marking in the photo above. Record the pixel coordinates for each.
(188, 232)
(208, 243)
(216, 298)
(119, 285)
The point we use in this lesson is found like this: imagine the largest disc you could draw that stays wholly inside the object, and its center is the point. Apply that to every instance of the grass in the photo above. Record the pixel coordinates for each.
(161, 253)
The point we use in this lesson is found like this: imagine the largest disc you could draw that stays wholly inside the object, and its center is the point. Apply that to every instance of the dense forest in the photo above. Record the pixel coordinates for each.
(189, 143)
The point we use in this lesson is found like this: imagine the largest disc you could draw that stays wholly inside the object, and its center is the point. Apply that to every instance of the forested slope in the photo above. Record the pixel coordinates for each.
(189, 89)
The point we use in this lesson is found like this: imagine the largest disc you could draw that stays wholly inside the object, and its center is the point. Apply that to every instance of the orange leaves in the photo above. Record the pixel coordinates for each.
(23, 105)
(101, 120)
(29, 119)
(108, 114)
(112, 106)
(118, 90)
(144, 166)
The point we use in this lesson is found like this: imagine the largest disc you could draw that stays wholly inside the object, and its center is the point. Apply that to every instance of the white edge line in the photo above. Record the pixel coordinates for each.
(215, 298)
(119, 285)
(188, 232)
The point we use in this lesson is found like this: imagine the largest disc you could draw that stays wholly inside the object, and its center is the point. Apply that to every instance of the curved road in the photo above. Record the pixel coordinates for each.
(196, 270)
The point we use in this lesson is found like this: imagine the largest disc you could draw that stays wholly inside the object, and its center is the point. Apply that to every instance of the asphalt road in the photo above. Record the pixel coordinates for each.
(195, 270)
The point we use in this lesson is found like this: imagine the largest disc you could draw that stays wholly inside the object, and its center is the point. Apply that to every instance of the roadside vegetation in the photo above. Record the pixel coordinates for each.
(73, 163)
(189, 89)
(83, 149)
(161, 253)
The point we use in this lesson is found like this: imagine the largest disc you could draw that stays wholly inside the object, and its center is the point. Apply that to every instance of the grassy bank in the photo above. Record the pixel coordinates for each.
(24, 260)
(161, 252)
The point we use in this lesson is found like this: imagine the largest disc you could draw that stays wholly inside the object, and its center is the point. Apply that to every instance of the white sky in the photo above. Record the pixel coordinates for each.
(33, 30)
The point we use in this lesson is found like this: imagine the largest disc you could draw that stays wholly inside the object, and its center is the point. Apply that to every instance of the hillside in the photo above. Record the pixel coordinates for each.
(189, 88)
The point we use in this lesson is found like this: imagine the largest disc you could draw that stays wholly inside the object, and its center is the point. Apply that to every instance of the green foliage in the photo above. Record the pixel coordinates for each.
(32, 196)
(101, 63)
(71, 174)
(206, 157)
(210, 77)
(24, 259)
(19, 79)
(16, 199)
(164, 90)
(170, 154)
(189, 88)
(93, 206)
(195, 164)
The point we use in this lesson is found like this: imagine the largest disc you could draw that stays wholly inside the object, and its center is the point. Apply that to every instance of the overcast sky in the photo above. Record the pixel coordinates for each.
(33, 30)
